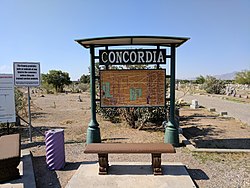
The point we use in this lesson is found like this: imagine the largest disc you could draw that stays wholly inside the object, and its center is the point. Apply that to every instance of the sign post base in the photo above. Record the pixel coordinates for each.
(171, 134)
(93, 133)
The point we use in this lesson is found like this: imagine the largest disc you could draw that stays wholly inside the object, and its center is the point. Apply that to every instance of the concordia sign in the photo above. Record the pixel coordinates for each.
(137, 56)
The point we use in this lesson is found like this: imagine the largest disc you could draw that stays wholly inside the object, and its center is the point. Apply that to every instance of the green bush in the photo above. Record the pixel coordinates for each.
(20, 102)
(138, 117)
(110, 114)
(57, 79)
(49, 89)
(243, 77)
(213, 85)
(83, 87)
(200, 80)
(134, 117)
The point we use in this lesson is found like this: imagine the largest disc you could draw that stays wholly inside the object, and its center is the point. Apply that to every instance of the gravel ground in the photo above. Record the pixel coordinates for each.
(63, 111)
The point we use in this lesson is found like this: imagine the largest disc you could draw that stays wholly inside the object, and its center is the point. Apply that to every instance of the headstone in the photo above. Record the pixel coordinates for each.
(79, 99)
(179, 85)
(228, 90)
(223, 113)
(194, 104)
(211, 109)
(233, 92)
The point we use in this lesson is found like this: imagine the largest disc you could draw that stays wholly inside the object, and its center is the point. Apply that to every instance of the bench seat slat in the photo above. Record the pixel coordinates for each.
(129, 148)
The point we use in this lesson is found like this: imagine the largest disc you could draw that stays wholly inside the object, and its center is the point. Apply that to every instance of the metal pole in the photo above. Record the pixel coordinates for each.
(172, 85)
(171, 131)
(29, 113)
(93, 131)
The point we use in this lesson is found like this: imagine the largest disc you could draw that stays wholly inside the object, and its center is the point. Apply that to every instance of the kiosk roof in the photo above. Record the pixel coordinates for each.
(132, 40)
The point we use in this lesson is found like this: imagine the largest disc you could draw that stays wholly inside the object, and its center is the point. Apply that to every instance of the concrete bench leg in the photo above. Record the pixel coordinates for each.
(103, 163)
(156, 163)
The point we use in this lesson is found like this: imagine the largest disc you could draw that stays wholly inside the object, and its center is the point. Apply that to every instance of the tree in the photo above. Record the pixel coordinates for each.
(243, 77)
(85, 79)
(57, 78)
(200, 80)
(213, 85)
(185, 81)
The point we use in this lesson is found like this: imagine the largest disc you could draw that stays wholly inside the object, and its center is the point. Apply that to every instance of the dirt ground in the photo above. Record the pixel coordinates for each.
(209, 130)
(203, 128)
(66, 112)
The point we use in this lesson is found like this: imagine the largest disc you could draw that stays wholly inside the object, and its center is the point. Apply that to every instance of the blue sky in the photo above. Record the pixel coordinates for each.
(44, 31)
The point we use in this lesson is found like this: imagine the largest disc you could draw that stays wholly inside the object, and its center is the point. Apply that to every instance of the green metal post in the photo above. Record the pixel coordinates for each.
(93, 132)
(171, 131)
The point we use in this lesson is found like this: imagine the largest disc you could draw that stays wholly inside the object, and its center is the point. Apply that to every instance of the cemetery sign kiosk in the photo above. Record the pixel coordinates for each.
(132, 88)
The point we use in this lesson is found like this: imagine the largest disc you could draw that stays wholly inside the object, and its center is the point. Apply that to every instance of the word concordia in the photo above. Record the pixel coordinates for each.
(137, 56)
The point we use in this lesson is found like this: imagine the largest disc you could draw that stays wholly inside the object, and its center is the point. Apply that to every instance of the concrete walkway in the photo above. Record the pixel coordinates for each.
(130, 175)
(27, 179)
(239, 111)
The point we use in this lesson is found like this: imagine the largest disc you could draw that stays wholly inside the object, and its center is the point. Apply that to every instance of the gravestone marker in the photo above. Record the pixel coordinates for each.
(194, 104)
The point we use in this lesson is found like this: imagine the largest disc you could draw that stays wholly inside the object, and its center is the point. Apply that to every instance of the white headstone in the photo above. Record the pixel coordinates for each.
(194, 104)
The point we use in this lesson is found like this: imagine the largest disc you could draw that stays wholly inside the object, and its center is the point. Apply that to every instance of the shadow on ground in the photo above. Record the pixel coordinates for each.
(114, 140)
(38, 115)
(32, 144)
(197, 133)
(202, 139)
(197, 174)
(71, 166)
(170, 170)
(209, 135)
(42, 173)
(234, 143)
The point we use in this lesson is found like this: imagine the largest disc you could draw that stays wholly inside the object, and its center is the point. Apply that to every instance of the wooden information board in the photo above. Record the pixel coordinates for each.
(132, 88)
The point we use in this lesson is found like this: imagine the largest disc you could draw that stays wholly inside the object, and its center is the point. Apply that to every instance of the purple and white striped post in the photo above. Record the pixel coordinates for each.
(55, 152)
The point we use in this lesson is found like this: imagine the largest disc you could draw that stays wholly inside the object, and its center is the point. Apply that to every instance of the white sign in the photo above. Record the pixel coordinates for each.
(26, 74)
(7, 100)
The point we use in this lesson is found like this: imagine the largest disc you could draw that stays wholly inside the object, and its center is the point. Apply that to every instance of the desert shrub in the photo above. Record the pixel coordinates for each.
(110, 114)
(134, 117)
(78, 87)
(200, 80)
(49, 89)
(138, 117)
(83, 87)
(129, 115)
(213, 85)
(20, 102)
(243, 77)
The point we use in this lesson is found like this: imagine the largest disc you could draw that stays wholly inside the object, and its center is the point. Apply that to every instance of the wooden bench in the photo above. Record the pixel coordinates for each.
(103, 149)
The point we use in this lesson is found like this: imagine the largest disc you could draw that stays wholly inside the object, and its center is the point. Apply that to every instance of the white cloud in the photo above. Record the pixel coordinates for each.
(5, 69)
